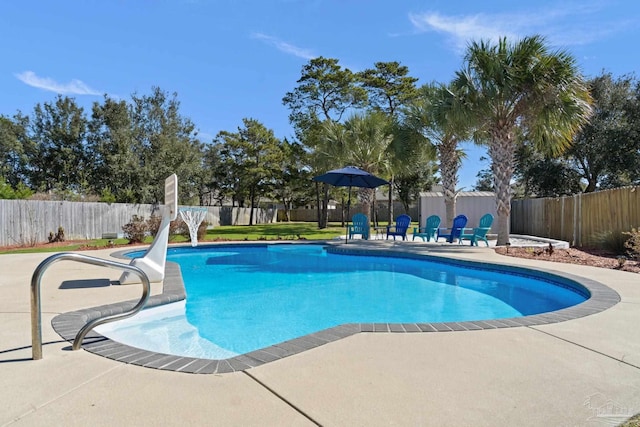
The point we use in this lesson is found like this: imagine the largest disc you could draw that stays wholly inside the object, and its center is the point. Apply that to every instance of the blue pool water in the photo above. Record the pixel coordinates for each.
(242, 298)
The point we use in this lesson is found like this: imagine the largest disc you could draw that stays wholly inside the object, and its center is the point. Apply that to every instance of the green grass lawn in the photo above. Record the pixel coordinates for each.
(64, 247)
(259, 232)
(276, 231)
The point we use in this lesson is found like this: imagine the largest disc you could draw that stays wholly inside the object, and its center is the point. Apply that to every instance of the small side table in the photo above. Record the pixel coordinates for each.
(380, 231)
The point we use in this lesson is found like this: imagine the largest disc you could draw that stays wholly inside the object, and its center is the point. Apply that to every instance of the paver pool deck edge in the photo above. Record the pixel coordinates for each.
(68, 324)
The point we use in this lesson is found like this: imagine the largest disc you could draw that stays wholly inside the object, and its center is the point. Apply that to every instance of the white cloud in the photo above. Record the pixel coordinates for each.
(74, 87)
(284, 46)
(205, 137)
(573, 24)
(461, 29)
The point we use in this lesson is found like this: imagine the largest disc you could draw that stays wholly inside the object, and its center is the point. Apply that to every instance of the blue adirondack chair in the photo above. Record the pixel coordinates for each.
(359, 225)
(454, 231)
(400, 228)
(429, 230)
(479, 232)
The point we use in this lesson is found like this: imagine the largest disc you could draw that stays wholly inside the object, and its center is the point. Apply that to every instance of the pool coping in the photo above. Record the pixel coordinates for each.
(68, 324)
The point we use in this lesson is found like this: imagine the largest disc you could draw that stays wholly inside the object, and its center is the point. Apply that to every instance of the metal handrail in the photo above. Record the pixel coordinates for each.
(36, 317)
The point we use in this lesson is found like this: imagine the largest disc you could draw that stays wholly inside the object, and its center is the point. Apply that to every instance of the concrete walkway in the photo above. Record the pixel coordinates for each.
(580, 372)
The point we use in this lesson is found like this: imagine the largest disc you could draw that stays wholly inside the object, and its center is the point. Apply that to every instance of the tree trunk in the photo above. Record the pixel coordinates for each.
(287, 214)
(449, 165)
(450, 207)
(501, 151)
(390, 200)
(287, 209)
(325, 208)
(252, 196)
(318, 210)
(365, 196)
(406, 206)
(374, 213)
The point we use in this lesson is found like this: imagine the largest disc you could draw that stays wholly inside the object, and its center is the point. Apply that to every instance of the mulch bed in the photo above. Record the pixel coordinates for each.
(583, 256)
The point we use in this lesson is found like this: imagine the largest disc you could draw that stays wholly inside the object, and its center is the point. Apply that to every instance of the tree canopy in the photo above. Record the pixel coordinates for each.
(528, 104)
(122, 153)
(606, 151)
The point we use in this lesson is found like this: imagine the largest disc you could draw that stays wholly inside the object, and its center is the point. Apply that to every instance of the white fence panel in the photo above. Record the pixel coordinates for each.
(472, 204)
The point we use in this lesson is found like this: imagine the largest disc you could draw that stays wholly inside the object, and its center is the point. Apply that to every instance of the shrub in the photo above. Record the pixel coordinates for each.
(202, 230)
(177, 227)
(153, 224)
(107, 196)
(58, 237)
(613, 242)
(136, 230)
(633, 243)
(182, 229)
(21, 191)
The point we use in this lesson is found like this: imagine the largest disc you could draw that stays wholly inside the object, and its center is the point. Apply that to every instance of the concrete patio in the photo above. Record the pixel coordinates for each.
(584, 371)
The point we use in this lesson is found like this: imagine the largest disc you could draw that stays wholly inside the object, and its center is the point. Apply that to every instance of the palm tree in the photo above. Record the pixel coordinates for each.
(362, 141)
(325, 155)
(522, 87)
(412, 158)
(435, 115)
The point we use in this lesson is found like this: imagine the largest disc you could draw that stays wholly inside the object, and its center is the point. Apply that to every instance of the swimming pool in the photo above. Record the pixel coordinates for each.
(258, 296)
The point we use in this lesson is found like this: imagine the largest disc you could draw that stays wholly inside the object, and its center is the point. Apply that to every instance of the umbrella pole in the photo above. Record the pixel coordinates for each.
(346, 237)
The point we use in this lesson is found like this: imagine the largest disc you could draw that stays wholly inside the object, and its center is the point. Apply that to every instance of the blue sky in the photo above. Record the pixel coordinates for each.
(229, 59)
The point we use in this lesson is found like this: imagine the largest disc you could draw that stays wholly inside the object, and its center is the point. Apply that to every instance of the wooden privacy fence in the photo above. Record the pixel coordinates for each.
(24, 222)
(582, 219)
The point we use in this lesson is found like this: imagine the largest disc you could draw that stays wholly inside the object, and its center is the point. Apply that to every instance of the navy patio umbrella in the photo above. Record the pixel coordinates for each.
(350, 176)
